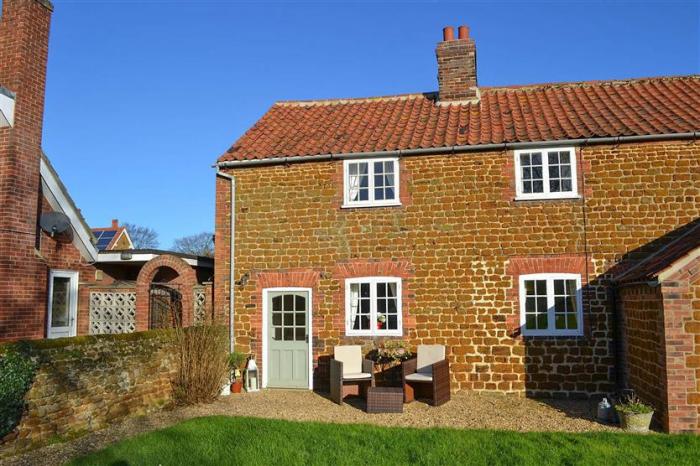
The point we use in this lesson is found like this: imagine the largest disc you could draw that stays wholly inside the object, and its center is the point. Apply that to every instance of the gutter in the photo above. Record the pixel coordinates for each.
(457, 149)
(232, 180)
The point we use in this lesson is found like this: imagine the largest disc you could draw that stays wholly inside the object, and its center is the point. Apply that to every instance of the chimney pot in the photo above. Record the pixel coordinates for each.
(463, 32)
(448, 34)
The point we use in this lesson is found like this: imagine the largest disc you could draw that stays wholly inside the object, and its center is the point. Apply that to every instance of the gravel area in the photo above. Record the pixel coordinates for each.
(465, 410)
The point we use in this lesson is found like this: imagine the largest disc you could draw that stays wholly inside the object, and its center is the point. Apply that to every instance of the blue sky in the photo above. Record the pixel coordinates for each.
(142, 97)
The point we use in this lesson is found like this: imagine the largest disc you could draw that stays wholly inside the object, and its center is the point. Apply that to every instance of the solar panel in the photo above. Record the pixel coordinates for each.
(104, 237)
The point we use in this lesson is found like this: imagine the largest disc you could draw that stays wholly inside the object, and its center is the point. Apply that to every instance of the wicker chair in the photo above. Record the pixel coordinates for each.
(350, 373)
(427, 376)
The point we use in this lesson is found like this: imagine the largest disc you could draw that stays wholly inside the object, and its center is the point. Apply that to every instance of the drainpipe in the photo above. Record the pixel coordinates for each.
(232, 180)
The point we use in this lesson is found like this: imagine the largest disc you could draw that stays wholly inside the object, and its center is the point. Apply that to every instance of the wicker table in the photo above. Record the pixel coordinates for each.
(385, 400)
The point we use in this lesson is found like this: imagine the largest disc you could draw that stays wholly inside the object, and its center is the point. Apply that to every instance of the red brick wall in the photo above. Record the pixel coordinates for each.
(681, 294)
(24, 30)
(642, 324)
(458, 236)
(27, 254)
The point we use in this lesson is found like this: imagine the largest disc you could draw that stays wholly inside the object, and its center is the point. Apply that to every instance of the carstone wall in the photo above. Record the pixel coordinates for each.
(457, 237)
(85, 383)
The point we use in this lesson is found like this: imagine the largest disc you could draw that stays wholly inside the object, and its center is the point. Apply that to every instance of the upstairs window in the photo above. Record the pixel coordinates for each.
(373, 306)
(551, 304)
(369, 183)
(546, 173)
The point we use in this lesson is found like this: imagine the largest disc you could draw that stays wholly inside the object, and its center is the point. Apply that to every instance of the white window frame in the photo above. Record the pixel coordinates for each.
(347, 203)
(373, 331)
(520, 195)
(72, 327)
(551, 330)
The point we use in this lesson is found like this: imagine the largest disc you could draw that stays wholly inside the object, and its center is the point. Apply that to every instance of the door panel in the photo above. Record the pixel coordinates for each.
(63, 303)
(288, 356)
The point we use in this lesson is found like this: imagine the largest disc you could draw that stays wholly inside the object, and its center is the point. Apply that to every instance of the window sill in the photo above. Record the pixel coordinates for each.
(395, 333)
(552, 335)
(366, 206)
(571, 197)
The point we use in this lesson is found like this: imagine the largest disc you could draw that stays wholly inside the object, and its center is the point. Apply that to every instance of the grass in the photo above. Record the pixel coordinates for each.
(250, 441)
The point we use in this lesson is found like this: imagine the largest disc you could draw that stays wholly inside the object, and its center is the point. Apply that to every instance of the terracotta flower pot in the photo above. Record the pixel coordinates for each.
(638, 423)
(236, 386)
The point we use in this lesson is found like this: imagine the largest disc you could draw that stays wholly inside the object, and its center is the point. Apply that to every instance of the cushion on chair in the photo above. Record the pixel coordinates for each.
(427, 356)
(351, 357)
(357, 376)
(419, 377)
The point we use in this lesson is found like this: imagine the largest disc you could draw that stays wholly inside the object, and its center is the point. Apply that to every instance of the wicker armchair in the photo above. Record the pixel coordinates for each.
(350, 373)
(427, 376)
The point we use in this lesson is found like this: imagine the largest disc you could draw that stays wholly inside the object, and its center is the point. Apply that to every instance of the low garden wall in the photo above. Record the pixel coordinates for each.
(85, 383)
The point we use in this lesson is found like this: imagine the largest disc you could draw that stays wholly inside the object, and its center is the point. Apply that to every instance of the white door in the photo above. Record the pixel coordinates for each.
(63, 303)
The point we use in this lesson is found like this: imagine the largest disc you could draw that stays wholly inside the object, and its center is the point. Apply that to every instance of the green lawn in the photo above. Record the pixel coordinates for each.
(230, 440)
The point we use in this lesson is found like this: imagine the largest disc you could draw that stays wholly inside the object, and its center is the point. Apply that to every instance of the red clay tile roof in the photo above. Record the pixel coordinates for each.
(505, 114)
(657, 262)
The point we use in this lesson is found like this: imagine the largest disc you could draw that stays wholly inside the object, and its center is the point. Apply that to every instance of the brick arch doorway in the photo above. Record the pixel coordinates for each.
(164, 290)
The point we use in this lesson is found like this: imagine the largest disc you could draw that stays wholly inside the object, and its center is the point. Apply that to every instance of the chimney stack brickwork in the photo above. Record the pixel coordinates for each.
(457, 67)
(24, 39)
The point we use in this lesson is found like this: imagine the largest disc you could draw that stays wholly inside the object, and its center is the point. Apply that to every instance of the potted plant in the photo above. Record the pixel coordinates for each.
(635, 416)
(381, 319)
(388, 357)
(236, 363)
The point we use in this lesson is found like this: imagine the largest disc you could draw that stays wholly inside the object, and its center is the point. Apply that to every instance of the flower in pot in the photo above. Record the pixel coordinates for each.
(635, 416)
(236, 362)
(381, 319)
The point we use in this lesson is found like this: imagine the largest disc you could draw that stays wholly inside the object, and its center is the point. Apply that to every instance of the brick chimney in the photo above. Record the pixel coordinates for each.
(24, 40)
(457, 66)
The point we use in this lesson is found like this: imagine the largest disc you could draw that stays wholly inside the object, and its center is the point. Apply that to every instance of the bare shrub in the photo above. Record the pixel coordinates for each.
(202, 363)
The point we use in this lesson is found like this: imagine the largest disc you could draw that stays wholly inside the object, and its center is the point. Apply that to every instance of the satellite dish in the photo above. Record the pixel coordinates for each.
(54, 223)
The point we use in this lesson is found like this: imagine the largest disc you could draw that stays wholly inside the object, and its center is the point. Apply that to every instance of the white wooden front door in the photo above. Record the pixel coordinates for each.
(63, 303)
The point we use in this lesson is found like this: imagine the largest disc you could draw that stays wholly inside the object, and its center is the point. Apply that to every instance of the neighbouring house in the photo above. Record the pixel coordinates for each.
(112, 238)
(56, 278)
(492, 220)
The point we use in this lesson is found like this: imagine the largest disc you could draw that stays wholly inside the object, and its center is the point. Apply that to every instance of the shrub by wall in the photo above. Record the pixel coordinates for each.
(17, 371)
(85, 383)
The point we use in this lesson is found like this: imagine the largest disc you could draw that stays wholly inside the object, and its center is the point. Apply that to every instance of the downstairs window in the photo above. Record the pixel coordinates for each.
(551, 304)
(373, 306)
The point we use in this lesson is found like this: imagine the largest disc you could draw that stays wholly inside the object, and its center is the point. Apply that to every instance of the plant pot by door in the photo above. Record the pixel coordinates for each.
(638, 423)
(236, 386)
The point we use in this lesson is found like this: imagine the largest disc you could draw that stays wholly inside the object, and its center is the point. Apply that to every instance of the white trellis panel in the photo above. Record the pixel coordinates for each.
(200, 306)
(112, 312)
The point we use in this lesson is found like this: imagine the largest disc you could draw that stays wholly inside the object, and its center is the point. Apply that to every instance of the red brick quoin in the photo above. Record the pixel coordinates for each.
(174, 271)
(681, 314)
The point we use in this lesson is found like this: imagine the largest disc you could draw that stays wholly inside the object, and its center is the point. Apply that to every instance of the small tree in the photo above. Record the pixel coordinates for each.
(142, 237)
(201, 244)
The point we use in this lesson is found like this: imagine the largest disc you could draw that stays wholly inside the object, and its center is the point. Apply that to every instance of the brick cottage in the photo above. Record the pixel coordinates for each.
(58, 284)
(492, 220)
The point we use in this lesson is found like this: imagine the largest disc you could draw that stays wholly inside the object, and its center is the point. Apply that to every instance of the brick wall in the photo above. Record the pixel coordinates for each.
(642, 324)
(458, 236)
(85, 383)
(27, 254)
(24, 31)
(681, 295)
